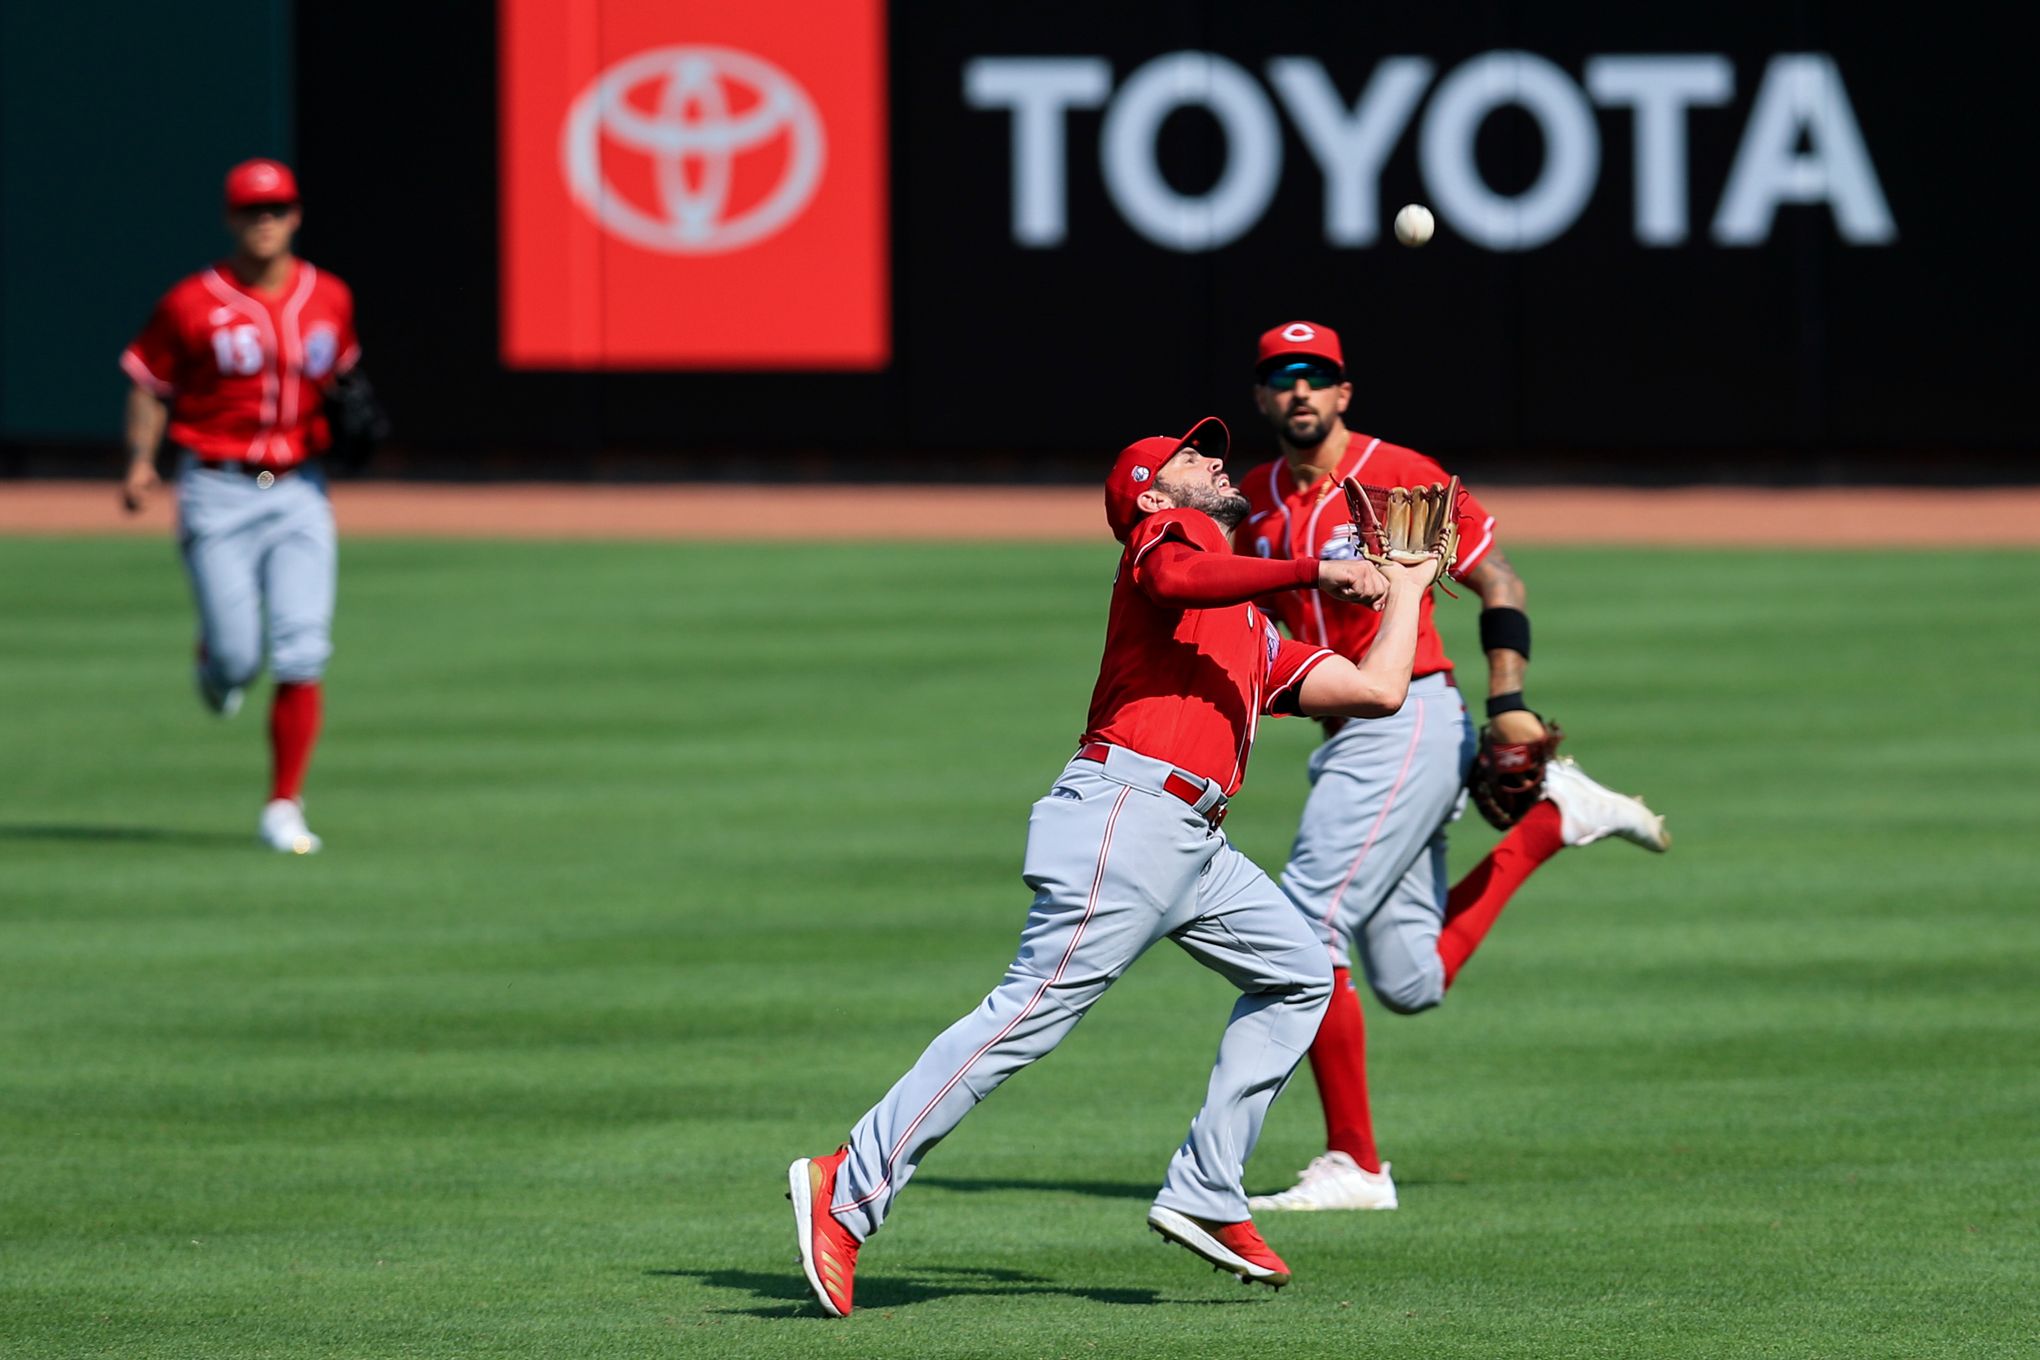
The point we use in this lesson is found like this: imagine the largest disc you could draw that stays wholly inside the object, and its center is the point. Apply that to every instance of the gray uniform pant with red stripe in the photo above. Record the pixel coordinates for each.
(262, 563)
(1368, 866)
(1116, 864)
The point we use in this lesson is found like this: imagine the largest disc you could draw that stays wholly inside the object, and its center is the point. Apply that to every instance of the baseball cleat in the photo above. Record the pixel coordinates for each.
(1591, 811)
(828, 1253)
(1234, 1247)
(1333, 1181)
(283, 828)
(225, 702)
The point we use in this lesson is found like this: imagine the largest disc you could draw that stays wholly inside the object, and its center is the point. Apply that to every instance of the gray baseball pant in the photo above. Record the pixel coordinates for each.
(1116, 864)
(259, 555)
(1368, 865)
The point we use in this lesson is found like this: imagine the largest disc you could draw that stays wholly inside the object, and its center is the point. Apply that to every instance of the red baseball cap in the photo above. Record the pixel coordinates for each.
(1134, 470)
(260, 181)
(1301, 340)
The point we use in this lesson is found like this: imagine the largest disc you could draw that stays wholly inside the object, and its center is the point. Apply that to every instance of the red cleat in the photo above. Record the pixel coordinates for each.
(1236, 1247)
(828, 1253)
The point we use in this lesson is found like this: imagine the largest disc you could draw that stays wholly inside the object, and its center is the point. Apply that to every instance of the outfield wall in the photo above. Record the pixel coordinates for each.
(681, 237)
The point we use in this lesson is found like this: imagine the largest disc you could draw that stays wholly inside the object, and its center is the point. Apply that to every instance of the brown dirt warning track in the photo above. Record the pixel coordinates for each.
(1794, 518)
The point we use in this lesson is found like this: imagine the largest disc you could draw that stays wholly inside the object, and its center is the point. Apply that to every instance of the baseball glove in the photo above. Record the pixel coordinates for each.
(1507, 778)
(358, 421)
(1406, 523)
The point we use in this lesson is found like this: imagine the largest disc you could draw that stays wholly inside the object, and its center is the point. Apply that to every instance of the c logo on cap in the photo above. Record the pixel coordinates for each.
(1141, 474)
(1296, 330)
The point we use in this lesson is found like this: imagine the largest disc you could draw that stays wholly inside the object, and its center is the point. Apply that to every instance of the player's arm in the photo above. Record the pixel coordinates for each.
(147, 415)
(1376, 685)
(1177, 575)
(1505, 637)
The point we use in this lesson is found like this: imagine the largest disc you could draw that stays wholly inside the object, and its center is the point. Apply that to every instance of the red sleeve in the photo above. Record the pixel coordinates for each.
(1476, 533)
(157, 354)
(1176, 575)
(1292, 661)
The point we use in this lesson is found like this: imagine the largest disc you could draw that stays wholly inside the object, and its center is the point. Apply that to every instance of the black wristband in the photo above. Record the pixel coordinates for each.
(1507, 703)
(1505, 626)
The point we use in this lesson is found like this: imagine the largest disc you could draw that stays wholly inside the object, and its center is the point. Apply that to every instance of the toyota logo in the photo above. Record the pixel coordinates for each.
(673, 106)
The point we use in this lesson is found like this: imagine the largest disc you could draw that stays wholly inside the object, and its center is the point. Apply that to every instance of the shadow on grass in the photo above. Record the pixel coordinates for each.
(1118, 1189)
(158, 835)
(791, 1299)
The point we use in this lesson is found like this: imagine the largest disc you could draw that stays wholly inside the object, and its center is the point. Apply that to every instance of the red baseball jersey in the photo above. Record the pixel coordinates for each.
(1285, 522)
(1189, 685)
(243, 370)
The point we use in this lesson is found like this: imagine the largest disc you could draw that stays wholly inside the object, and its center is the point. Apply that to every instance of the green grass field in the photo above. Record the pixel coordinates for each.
(649, 867)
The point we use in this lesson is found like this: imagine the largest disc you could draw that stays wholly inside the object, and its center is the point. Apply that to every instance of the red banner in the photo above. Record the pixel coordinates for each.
(694, 185)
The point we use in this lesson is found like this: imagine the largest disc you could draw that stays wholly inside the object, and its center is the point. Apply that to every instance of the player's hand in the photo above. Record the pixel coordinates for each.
(139, 485)
(1355, 581)
(1517, 725)
(1413, 576)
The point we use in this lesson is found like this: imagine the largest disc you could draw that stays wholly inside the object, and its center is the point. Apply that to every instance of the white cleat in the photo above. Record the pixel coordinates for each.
(1333, 1180)
(225, 702)
(284, 830)
(1591, 811)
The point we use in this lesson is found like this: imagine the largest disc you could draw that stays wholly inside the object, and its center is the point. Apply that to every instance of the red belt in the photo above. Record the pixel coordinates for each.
(1178, 784)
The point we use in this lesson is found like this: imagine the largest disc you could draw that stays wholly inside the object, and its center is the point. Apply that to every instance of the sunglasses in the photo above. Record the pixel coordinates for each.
(1317, 376)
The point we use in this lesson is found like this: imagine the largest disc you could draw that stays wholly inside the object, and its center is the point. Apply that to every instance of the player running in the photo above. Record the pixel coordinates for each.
(1368, 865)
(235, 362)
(1125, 850)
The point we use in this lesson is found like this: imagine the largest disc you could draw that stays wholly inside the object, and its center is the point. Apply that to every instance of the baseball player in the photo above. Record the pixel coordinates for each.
(235, 362)
(1125, 850)
(1368, 865)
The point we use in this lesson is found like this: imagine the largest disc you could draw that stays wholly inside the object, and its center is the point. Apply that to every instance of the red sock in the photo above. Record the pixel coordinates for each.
(1476, 900)
(1338, 1059)
(293, 728)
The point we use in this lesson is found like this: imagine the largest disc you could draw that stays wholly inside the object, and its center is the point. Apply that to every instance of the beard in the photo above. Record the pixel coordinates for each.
(1227, 507)
(1307, 433)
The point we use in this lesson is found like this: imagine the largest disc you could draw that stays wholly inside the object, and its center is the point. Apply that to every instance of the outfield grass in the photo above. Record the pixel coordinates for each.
(649, 867)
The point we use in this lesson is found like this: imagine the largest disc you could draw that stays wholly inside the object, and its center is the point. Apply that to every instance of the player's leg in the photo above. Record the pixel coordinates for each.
(1104, 860)
(1350, 1173)
(299, 569)
(1246, 930)
(1379, 790)
(1476, 900)
(1398, 944)
(1576, 811)
(219, 536)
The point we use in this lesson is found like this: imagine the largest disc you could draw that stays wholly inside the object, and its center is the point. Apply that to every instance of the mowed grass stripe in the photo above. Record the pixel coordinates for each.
(650, 866)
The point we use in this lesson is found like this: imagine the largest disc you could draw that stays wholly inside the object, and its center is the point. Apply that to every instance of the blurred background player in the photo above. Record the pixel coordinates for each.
(1368, 864)
(235, 362)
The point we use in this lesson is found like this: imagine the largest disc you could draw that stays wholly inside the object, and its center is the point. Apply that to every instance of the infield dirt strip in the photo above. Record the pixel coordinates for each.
(1720, 516)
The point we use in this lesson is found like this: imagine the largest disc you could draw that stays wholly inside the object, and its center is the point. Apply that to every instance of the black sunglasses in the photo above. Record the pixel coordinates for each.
(1285, 377)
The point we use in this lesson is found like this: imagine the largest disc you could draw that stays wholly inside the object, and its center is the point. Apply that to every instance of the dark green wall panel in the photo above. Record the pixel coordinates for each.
(117, 121)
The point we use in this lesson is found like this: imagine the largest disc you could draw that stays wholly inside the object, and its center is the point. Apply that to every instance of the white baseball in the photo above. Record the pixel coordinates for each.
(1414, 225)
